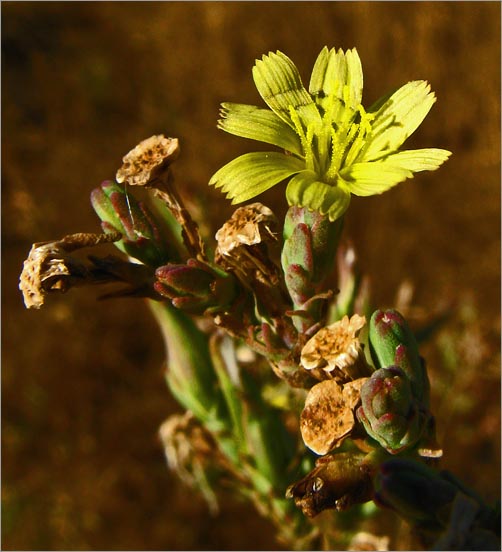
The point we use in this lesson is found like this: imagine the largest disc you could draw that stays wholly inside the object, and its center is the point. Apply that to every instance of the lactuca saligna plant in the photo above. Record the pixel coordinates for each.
(291, 363)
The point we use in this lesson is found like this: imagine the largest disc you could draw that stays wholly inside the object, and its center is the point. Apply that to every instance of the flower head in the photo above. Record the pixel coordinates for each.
(148, 160)
(50, 267)
(248, 226)
(335, 348)
(328, 416)
(333, 146)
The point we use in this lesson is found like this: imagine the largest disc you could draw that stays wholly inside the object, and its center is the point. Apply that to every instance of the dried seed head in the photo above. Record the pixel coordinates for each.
(148, 160)
(184, 438)
(335, 347)
(346, 480)
(369, 541)
(249, 225)
(50, 267)
(191, 452)
(328, 416)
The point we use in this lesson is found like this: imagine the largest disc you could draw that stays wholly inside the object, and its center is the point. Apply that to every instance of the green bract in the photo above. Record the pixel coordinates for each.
(333, 146)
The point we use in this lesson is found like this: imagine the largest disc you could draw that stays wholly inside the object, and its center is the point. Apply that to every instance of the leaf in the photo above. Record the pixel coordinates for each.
(305, 190)
(279, 84)
(252, 173)
(366, 179)
(255, 123)
(337, 75)
(428, 159)
(397, 119)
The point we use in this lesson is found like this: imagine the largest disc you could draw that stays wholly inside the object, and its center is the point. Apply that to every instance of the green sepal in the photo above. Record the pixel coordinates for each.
(252, 173)
(256, 123)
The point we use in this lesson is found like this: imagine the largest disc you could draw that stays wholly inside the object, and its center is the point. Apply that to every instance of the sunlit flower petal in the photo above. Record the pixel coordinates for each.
(258, 124)
(252, 173)
(338, 147)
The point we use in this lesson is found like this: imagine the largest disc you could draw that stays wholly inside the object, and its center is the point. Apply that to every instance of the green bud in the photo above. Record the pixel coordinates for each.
(389, 412)
(308, 256)
(324, 237)
(195, 286)
(142, 237)
(392, 343)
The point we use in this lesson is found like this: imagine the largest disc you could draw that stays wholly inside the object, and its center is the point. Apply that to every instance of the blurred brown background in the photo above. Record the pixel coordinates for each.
(82, 387)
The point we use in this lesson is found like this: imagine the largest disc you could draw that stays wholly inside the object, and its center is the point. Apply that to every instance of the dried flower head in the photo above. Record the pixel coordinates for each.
(148, 160)
(328, 416)
(50, 267)
(242, 249)
(335, 347)
(190, 450)
(337, 482)
(369, 541)
(249, 225)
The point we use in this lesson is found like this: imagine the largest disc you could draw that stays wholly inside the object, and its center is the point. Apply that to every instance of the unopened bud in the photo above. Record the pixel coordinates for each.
(392, 343)
(195, 286)
(389, 412)
(143, 237)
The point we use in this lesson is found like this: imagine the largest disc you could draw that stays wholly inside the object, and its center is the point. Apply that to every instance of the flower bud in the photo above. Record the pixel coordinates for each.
(195, 286)
(392, 343)
(324, 237)
(389, 412)
(308, 255)
(142, 237)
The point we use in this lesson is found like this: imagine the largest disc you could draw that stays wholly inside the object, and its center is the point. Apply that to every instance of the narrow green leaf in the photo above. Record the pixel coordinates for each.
(428, 159)
(224, 362)
(365, 179)
(255, 123)
(279, 84)
(397, 119)
(252, 173)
